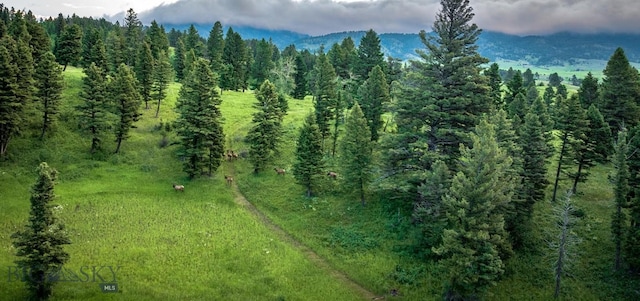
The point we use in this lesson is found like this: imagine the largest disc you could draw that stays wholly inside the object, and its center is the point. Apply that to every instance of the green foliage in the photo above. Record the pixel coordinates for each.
(11, 105)
(69, 45)
(179, 57)
(374, 96)
(620, 93)
(161, 76)
(369, 55)
(95, 109)
(158, 41)
(356, 152)
(555, 80)
(265, 134)
(300, 90)
(199, 123)
(262, 63)
(621, 192)
(589, 93)
(325, 94)
(495, 83)
(133, 36)
(49, 85)
(123, 90)
(236, 59)
(215, 47)
(429, 211)
(192, 41)
(116, 49)
(515, 87)
(144, 72)
(475, 243)
(40, 244)
(309, 164)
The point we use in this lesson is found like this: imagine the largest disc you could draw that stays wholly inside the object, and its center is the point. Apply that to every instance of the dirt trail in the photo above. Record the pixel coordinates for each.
(310, 254)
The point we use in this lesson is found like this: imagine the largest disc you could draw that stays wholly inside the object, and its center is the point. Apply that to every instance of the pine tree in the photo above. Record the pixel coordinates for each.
(325, 94)
(592, 147)
(540, 109)
(459, 94)
(475, 242)
(179, 60)
(571, 123)
(263, 63)
(564, 213)
(94, 111)
(199, 123)
(555, 80)
(49, 84)
(10, 105)
(514, 87)
(235, 57)
(534, 172)
(69, 45)
(309, 154)
(369, 55)
(356, 152)
(589, 91)
(158, 41)
(428, 211)
(192, 41)
(144, 72)
(124, 92)
(621, 192)
(116, 49)
(495, 83)
(133, 36)
(300, 78)
(215, 47)
(40, 244)
(162, 75)
(620, 93)
(265, 134)
(527, 79)
(374, 95)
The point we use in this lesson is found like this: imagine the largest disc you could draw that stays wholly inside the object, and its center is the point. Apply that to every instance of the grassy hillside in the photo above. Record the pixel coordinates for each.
(120, 210)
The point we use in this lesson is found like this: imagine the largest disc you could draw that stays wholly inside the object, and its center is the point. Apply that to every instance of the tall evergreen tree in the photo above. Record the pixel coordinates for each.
(144, 72)
(199, 123)
(116, 49)
(158, 41)
(592, 147)
(369, 55)
(263, 63)
(69, 45)
(40, 244)
(572, 122)
(620, 93)
(300, 78)
(162, 75)
(357, 152)
(133, 36)
(192, 41)
(515, 86)
(459, 94)
(325, 94)
(94, 110)
(215, 47)
(429, 211)
(265, 134)
(495, 83)
(374, 95)
(124, 91)
(178, 60)
(49, 84)
(10, 105)
(235, 57)
(589, 91)
(309, 164)
(621, 194)
(475, 243)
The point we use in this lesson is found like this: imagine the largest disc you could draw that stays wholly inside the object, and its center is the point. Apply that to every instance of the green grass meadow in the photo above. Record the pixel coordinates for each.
(121, 211)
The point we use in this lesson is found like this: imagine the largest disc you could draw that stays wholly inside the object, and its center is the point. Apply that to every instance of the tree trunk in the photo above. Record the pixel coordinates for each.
(158, 109)
(618, 240)
(555, 186)
(118, 147)
(308, 191)
(577, 179)
(362, 192)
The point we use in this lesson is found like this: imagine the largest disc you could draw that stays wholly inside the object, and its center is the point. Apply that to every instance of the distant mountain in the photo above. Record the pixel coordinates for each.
(537, 50)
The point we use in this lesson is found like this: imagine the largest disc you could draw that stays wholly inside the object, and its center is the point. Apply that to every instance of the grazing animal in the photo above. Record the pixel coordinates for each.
(229, 179)
(332, 175)
(178, 187)
(280, 171)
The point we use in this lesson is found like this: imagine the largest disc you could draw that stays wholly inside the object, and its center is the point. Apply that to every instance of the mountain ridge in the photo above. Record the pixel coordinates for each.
(537, 50)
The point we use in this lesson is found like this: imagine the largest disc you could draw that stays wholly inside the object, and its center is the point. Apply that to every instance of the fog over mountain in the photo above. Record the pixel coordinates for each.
(522, 17)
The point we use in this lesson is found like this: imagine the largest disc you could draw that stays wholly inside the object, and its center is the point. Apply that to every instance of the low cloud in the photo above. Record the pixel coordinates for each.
(404, 16)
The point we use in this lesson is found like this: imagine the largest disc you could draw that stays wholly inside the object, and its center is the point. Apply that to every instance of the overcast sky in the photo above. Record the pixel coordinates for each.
(325, 16)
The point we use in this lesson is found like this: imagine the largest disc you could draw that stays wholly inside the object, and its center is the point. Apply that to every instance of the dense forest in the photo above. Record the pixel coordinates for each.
(459, 158)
